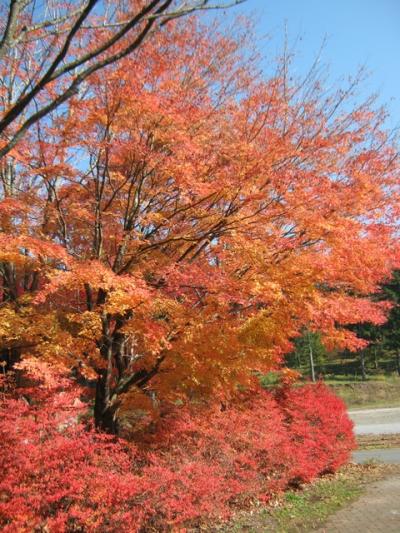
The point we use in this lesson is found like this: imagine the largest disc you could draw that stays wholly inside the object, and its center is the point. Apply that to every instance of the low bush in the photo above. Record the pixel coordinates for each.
(199, 465)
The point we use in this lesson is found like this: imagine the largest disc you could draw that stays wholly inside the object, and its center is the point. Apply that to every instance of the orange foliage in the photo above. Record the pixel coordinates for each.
(183, 219)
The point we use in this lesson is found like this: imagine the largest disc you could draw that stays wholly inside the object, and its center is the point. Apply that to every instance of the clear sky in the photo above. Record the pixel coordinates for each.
(358, 32)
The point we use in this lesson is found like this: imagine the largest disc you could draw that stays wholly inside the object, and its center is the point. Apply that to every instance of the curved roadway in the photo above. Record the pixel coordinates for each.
(377, 422)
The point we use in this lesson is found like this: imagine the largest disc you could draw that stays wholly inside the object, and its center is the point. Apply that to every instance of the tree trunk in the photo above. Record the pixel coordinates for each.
(10, 356)
(363, 371)
(104, 407)
(311, 355)
(375, 359)
(105, 413)
(116, 378)
(398, 361)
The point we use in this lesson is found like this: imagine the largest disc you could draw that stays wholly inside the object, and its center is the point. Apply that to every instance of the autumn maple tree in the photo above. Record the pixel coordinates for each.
(170, 221)
(170, 228)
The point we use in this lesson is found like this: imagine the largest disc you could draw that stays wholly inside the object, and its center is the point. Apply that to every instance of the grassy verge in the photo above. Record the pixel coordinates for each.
(349, 380)
(308, 508)
(372, 442)
(368, 394)
(379, 390)
(379, 404)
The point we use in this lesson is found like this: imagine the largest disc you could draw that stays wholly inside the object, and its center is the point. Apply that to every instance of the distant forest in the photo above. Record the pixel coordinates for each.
(382, 355)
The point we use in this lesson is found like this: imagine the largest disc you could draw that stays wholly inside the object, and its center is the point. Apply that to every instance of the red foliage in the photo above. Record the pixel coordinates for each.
(58, 475)
(320, 429)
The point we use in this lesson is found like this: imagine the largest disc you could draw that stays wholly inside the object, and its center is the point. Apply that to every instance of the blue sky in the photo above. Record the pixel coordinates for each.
(358, 32)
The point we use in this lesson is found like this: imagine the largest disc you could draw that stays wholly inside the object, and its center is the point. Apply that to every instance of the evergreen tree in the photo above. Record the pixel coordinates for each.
(385, 339)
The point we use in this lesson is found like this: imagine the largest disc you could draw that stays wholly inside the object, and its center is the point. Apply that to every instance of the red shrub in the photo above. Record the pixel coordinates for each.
(58, 475)
(320, 430)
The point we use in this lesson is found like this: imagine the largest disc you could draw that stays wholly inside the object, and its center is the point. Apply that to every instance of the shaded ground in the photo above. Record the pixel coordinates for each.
(378, 510)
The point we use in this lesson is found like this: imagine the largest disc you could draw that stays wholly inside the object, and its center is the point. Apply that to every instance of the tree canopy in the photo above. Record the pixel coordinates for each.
(176, 222)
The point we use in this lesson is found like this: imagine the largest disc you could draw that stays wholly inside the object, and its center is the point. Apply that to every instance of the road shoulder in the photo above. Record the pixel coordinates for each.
(377, 510)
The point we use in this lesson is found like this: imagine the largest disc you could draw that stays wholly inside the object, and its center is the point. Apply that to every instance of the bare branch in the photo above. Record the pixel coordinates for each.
(11, 25)
(19, 107)
(154, 15)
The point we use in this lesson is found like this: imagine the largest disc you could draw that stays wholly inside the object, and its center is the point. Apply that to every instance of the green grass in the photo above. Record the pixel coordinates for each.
(307, 510)
(378, 442)
(379, 404)
(371, 378)
(378, 390)
(369, 394)
(300, 510)
(340, 380)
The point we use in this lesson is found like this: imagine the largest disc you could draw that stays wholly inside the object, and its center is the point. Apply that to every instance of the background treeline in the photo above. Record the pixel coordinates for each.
(381, 356)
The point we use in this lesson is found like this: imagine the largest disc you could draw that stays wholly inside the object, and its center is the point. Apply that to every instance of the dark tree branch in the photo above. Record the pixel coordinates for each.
(23, 102)
(156, 11)
(139, 378)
